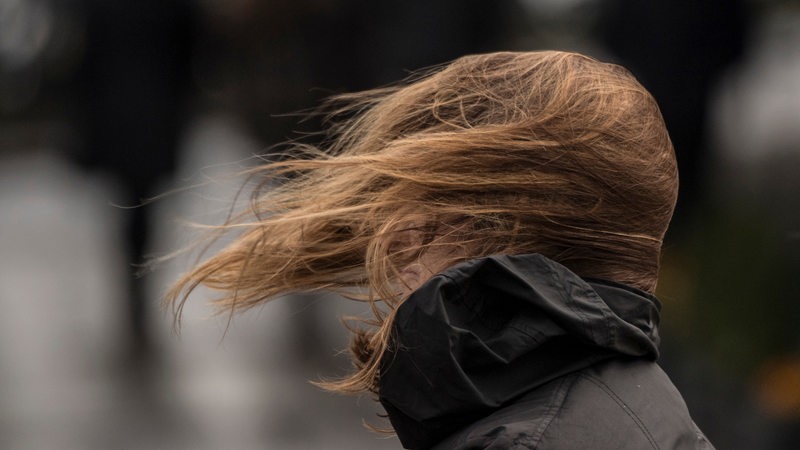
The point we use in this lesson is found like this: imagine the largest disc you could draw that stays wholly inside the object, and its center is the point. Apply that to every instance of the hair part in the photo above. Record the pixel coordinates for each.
(539, 152)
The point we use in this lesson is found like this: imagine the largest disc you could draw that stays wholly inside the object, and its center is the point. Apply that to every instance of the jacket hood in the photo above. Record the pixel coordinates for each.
(486, 331)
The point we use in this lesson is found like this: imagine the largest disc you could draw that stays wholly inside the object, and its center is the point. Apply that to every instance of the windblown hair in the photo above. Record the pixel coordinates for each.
(540, 152)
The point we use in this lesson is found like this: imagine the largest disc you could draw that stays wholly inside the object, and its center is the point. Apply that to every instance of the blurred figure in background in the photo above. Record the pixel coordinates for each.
(680, 50)
(135, 85)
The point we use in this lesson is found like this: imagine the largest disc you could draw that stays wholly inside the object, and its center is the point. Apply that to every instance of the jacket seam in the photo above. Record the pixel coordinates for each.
(624, 406)
(556, 404)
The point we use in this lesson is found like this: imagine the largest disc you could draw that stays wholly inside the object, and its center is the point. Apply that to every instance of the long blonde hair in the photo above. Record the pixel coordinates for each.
(537, 152)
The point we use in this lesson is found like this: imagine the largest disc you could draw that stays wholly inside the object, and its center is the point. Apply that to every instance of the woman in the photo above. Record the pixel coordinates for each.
(504, 217)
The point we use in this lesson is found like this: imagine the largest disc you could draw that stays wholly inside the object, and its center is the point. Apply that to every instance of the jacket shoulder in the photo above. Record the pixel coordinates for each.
(619, 404)
(624, 404)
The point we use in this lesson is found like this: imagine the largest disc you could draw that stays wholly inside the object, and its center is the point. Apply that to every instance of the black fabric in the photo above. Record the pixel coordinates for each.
(622, 403)
(484, 333)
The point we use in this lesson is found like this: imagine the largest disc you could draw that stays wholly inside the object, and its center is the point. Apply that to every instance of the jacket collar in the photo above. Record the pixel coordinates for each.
(486, 331)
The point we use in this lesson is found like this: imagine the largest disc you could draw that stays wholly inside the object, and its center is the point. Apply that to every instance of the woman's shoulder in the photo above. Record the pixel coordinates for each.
(617, 404)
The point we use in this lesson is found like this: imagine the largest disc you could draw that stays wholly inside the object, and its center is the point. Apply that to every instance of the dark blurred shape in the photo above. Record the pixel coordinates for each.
(678, 49)
(267, 59)
(133, 87)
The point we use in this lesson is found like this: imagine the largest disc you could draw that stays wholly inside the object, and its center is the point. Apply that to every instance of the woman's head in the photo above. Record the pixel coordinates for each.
(540, 152)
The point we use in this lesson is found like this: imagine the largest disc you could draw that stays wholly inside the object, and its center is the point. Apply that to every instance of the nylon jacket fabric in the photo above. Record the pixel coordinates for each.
(518, 352)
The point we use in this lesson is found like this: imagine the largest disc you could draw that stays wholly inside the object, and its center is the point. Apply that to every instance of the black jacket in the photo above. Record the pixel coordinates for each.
(517, 352)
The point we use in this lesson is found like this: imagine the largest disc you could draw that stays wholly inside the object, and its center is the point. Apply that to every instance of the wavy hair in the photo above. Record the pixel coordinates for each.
(536, 152)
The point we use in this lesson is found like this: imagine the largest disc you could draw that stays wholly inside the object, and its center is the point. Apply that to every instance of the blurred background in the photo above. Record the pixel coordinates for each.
(105, 104)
